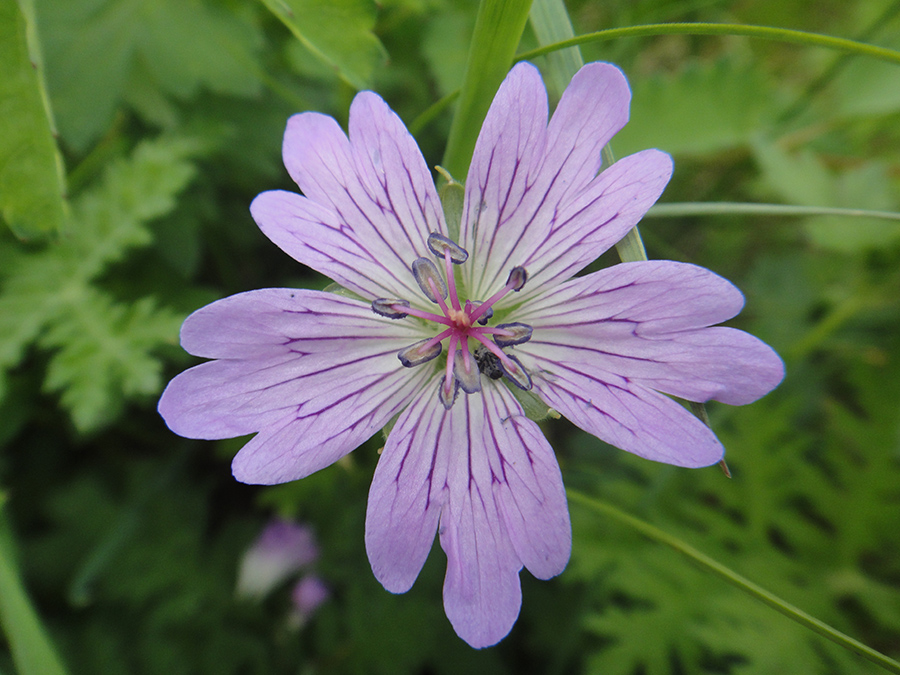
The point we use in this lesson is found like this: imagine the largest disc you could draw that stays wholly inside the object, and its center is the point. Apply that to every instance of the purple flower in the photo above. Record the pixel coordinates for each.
(282, 549)
(306, 597)
(315, 374)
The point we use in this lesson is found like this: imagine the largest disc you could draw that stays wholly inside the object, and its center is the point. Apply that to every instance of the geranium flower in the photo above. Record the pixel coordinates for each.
(448, 320)
(282, 549)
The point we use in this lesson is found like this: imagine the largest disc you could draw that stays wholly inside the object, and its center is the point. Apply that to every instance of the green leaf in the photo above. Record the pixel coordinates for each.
(104, 354)
(702, 109)
(102, 350)
(868, 87)
(802, 178)
(32, 180)
(339, 32)
(100, 52)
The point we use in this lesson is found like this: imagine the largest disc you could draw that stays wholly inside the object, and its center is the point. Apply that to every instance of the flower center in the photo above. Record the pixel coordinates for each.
(464, 325)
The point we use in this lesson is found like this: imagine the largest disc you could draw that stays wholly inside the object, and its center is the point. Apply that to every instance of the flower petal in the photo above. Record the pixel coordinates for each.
(532, 196)
(627, 415)
(488, 476)
(647, 322)
(409, 489)
(528, 488)
(318, 237)
(506, 506)
(315, 373)
(374, 190)
(499, 196)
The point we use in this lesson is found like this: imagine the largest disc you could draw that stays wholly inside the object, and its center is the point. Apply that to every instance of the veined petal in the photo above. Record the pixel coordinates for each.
(279, 321)
(533, 198)
(488, 477)
(506, 507)
(647, 322)
(499, 184)
(319, 238)
(590, 222)
(593, 108)
(627, 415)
(529, 488)
(315, 373)
(374, 186)
(409, 489)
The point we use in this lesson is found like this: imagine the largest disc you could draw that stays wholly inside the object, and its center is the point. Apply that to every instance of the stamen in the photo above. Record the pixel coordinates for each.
(419, 352)
(512, 334)
(429, 279)
(447, 396)
(449, 379)
(485, 317)
(451, 280)
(440, 245)
(388, 307)
(469, 380)
(515, 372)
(517, 278)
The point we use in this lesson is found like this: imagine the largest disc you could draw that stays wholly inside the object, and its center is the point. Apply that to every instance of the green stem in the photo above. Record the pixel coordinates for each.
(762, 32)
(680, 209)
(744, 584)
(32, 651)
(498, 30)
(550, 21)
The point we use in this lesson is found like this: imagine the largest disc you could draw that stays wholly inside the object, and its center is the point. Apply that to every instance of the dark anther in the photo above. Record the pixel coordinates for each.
(439, 244)
(470, 381)
(516, 374)
(517, 333)
(484, 318)
(448, 398)
(387, 307)
(427, 276)
(517, 278)
(418, 353)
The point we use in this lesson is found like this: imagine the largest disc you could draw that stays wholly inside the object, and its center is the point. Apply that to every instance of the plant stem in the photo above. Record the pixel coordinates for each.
(732, 577)
(762, 32)
(498, 30)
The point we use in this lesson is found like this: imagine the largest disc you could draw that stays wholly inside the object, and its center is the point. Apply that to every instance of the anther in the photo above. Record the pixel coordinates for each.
(513, 334)
(439, 245)
(429, 279)
(447, 394)
(515, 373)
(470, 381)
(484, 318)
(388, 307)
(517, 278)
(419, 352)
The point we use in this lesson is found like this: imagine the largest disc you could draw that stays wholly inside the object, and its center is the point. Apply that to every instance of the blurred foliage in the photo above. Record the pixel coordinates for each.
(170, 115)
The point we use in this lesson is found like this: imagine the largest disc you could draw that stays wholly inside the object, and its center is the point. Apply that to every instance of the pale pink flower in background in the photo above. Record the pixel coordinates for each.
(282, 549)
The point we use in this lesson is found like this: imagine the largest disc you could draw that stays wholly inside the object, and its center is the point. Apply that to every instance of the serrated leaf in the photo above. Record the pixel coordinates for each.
(702, 109)
(339, 32)
(101, 51)
(102, 350)
(32, 180)
(104, 355)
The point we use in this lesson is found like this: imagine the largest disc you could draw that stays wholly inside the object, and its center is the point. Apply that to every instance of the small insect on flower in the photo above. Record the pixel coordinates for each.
(444, 328)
